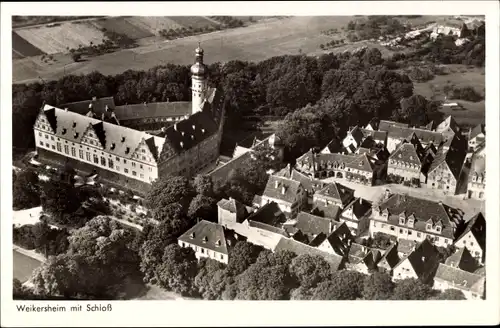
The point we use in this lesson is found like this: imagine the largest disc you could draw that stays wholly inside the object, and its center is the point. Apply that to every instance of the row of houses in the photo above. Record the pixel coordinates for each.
(333, 239)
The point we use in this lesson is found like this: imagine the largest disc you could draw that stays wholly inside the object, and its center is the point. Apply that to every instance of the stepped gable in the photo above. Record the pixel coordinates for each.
(117, 140)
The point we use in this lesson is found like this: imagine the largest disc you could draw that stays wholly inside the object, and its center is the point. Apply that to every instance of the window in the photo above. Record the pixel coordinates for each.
(66, 149)
(52, 138)
(88, 156)
(53, 147)
(392, 228)
(96, 159)
(419, 234)
(73, 152)
(58, 146)
(124, 161)
(438, 229)
(125, 170)
(103, 161)
(428, 227)
(221, 257)
(143, 150)
(117, 168)
(446, 241)
(374, 223)
(150, 169)
(117, 159)
(134, 173)
(46, 136)
(437, 238)
(400, 230)
(80, 153)
(141, 166)
(133, 164)
(202, 250)
(143, 158)
(142, 176)
(40, 134)
(409, 233)
(110, 163)
(183, 244)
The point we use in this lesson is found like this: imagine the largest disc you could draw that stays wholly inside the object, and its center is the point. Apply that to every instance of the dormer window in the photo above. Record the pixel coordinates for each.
(193, 126)
(399, 155)
(123, 139)
(181, 144)
(205, 239)
(202, 130)
(438, 229)
(192, 137)
(113, 145)
(127, 150)
(182, 133)
(64, 131)
(74, 124)
(75, 135)
(428, 226)
(192, 235)
(218, 243)
(401, 220)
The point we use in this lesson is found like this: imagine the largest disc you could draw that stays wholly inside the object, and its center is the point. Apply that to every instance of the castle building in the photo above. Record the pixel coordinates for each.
(117, 143)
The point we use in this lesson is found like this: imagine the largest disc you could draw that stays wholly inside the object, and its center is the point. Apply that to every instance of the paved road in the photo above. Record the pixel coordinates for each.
(23, 266)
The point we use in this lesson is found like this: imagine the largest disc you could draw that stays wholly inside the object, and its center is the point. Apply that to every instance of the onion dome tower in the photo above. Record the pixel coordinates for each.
(198, 81)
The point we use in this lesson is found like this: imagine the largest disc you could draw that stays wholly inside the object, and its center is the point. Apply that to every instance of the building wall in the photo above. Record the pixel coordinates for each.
(392, 144)
(403, 271)
(349, 140)
(407, 233)
(226, 218)
(138, 169)
(476, 141)
(201, 252)
(189, 162)
(264, 238)
(405, 170)
(469, 241)
(441, 178)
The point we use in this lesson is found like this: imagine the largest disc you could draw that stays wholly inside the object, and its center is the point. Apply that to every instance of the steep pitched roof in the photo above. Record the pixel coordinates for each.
(207, 235)
(423, 259)
(374, 134)
(232, 205)
(460, 279)
(425, 136)
(362, 163)
(390, 258)
(407, 153)
(385, 125)
(463, 260)
(477, 226)
(269, 214)
(360, 207)
(312, 225)
(327, 211)
(477, 130)
(357, 134)
(478, 167)
(117, 140)
(454, 157)
(282, 189)
(97, 105)
(338, 192)
(300, 249)
(268, 227)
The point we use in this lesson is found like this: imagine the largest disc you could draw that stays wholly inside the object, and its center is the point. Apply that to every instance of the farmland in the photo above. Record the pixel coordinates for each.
(459, 76)
(154, 24)
(58, 38)
(193, 21)
(23, 47)
(122, 26)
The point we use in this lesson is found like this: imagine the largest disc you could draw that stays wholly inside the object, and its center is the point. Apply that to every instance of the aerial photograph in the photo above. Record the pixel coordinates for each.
(248, 157)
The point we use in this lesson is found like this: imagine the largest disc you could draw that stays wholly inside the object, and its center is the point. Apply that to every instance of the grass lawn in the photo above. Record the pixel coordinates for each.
(459, 76)
(23, 266)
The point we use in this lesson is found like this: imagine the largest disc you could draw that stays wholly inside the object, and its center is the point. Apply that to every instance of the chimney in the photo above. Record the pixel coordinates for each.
(182, 144)
(94, 98)
(283, 189)
(276, 184)
(193, 126)
(168, 99)
(387, 194)
(175, 126)
(107, 108)
(423, 258)
(65, 109)
(360, 200)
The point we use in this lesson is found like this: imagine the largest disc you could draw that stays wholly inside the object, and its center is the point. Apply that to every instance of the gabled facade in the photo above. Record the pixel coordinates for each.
(414, 219)
(474, 238)
(477, 136)
(288, 194)
(356, 216)
(470, 284)
(421, 264)
(476, 181)
(334, 194)
(406, 162)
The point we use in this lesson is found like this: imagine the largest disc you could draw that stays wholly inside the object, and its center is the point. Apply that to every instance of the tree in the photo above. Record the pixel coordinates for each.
(25, 190)
(411, 289)
(168, 190)
(76, 56)
(97, 265)
(178, 269)
(451, 294)
(414, 110)
(203, 185)
(310, 270)
(378, 286)
(212, 279)
(343, 285)
(203, 208)
(241, 256)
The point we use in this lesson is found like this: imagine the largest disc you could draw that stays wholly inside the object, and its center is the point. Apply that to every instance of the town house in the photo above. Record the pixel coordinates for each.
(476, 181)
(474, 237)
(410, 218)
(288, 194)
(406, 162)
(477, 136)
(421, 264)
(356, 216)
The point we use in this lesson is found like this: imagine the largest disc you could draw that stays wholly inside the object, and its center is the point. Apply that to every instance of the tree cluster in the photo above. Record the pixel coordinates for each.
(467, 93)
(374, 27)
(99, 264)
(42, 238)
(25, 190)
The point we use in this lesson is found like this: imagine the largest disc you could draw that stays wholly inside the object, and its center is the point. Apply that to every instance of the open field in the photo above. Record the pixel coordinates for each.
(24, 21)
(193, 21)
(23, 266)
(122, 26)
(23, 47)
(460, 76)
(56, 39)
(153, 24)
(259, 41)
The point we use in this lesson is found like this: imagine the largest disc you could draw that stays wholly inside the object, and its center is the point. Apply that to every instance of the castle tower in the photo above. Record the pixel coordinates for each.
(198, 81)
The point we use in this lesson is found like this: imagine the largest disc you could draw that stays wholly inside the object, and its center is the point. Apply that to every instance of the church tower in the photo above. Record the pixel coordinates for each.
(198, 81)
